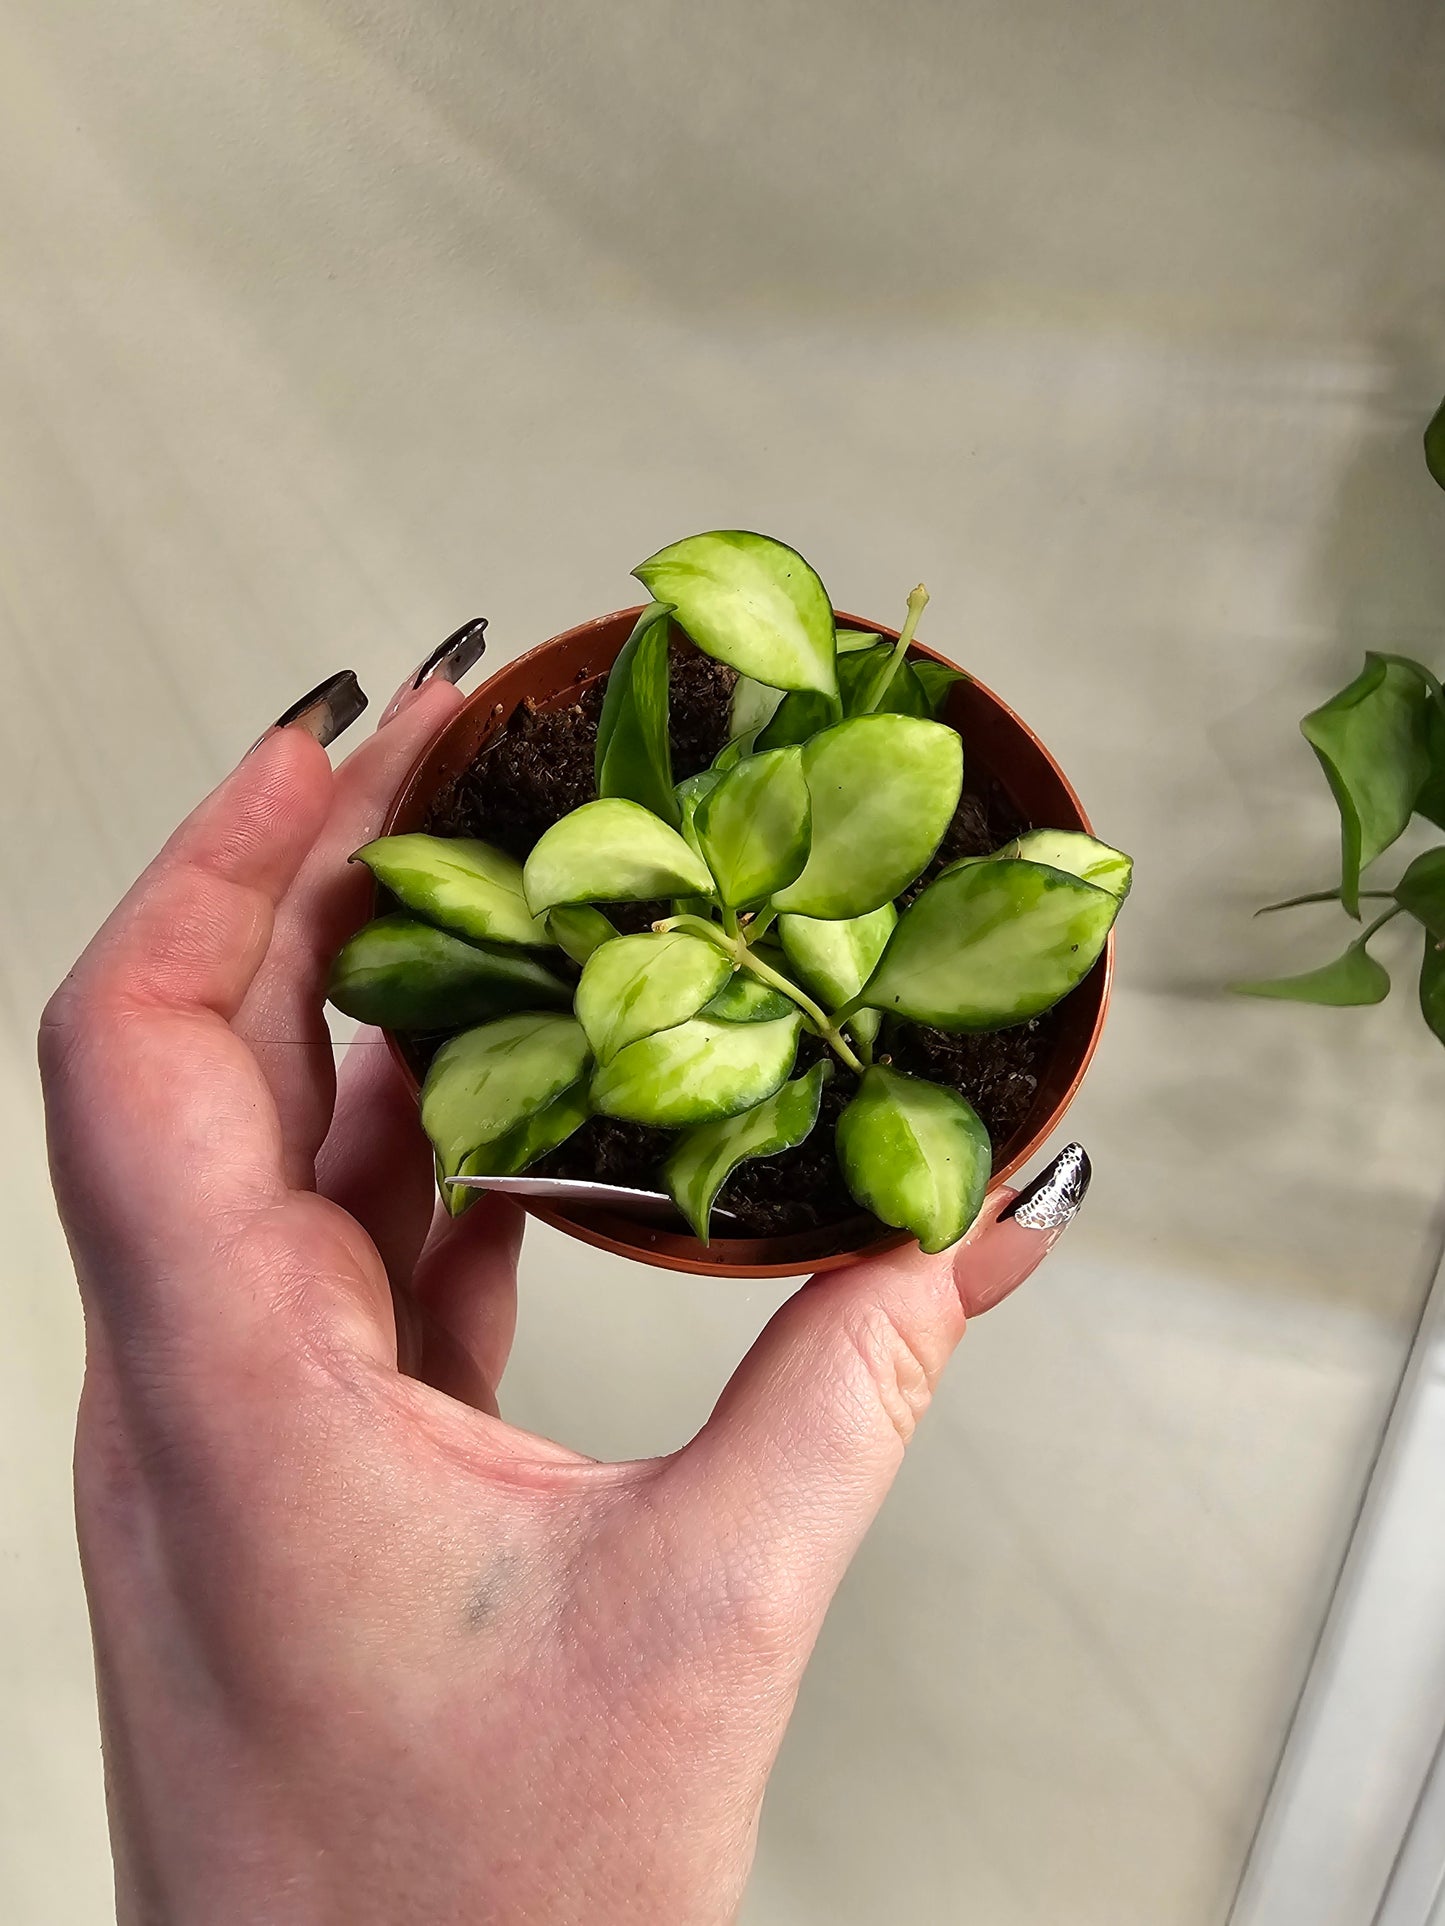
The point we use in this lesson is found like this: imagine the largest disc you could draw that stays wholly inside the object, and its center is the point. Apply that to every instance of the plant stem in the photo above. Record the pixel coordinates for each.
(730, 920)
(743, 959)
(917, 603)
(759, 926)
(1378, 924)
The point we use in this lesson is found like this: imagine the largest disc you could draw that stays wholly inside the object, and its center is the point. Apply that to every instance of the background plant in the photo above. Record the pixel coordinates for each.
(783, 865)
(1381, 744)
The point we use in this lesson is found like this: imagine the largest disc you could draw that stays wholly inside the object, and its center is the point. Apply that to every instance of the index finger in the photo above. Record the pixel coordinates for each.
(163, 1134)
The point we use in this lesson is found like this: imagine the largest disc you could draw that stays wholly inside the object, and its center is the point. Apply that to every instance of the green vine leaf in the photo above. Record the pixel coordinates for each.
(754, 705)
(612, 851)
(836, 959)
(457, 883)
(697, 1071)
(860, 677)
(752, 602)
(1372, 741)
(752, 826)
(636, 985)
(1421, 891)
(1432, 987)
(849, 641)
(634, 750)
(1435, 445)
(883, 789)
(488, 1082)
(1353, 978)
(405, 975)
(916, 1155)
(706, 1157)
(936, 680)
(989, 944)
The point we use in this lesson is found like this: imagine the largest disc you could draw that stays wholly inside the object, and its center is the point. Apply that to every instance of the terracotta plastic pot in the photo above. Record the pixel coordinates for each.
(996, 743)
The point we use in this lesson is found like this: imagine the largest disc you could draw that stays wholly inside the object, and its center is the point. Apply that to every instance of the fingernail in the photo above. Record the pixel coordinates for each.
(1053, 1198)
(448, 661)
(325, 711)
(461, 651)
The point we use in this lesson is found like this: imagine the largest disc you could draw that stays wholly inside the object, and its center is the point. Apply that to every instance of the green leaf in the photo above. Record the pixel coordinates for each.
(1372, 742)
(752, 827)
(1078, 855)
(988, 944)
(697, 1071)
(751, 602)
(1421, 891)
(849, 641)
(1352, 978)
(460, 885)
(612, 851)
(579, 929)
(733, 752)
(743, 999)
(634, 750)
(1432, 988)
(916, 1155)
(1435, 445)
(753, 706)
(883, 789)
(707, 1156)
(638, 984)
(406, 975)
(486, 1083)
(507, 1156)
(873, 683)
(690, 792)
(835, 960)
(936, 679)
(801, 715)
(1430, 802)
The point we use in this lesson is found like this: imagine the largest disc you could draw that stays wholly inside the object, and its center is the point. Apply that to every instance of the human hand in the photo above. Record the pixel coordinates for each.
(366, 1652)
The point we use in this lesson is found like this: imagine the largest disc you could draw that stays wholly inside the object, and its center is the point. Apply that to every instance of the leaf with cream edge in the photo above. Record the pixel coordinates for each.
(457, 883)
(706, 1157)
(883, 790)
(509, 1155)
(752, 827)
(836, 959)
(1078, 855)
(697, 1071)
(405, 975)
(751, 602)
(638, 984)
(989, 944)
(486, 1083)
(634, 751)
(612, 851)
(916, 1155)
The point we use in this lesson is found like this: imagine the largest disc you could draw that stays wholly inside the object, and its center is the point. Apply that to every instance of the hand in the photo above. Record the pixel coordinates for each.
(366, 1652)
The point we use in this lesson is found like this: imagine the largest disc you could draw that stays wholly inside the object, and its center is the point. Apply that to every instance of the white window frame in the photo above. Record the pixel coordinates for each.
(1353, 1830)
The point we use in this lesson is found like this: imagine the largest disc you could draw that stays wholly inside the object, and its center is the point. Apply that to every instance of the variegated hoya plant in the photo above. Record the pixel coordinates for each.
(782, 865)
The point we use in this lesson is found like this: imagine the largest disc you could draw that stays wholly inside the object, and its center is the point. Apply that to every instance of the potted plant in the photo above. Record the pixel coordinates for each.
(699, 894)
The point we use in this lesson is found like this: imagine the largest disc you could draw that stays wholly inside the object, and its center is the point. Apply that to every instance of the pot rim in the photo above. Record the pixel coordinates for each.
(672, 1250)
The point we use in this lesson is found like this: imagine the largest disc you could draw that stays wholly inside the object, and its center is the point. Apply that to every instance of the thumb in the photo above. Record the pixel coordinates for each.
(789, 1471)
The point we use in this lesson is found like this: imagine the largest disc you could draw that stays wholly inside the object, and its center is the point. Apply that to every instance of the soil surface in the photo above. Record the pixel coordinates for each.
(540, 768)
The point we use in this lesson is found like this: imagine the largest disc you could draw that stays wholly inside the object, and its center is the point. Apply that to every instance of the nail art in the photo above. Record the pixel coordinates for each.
(451, 659)
(1055, 1194)
(333, 705)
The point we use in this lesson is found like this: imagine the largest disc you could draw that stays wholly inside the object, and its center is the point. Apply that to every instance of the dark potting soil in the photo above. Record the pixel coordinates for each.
(540, 768)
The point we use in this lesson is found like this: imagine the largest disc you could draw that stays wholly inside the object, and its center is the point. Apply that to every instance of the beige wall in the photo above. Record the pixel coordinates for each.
(326, 323)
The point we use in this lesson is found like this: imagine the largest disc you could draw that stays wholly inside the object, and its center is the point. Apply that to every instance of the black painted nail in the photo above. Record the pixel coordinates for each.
(1055, 1194)
(461, 651)
(326, 710)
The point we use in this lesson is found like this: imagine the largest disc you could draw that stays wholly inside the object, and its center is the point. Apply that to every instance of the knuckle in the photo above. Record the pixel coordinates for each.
(902, 1363)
